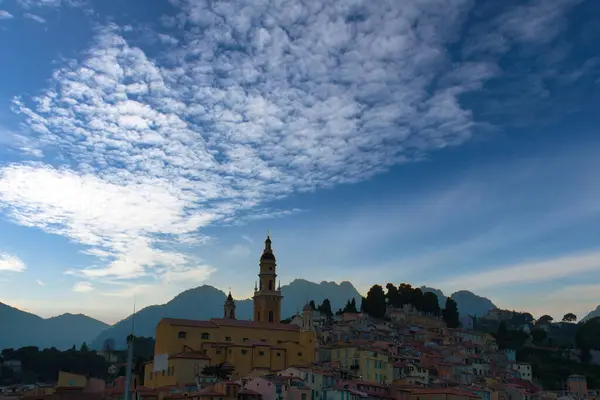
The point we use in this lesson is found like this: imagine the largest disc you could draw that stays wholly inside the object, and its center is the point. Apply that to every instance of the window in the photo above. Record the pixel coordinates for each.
(245, 339)
(258, 316)
(261, 353)
(205, 336)
(181, 334)
(303, 397)
(299, 354)
(270, 284)
(263, 340)
(244, 351)
(270, 315)
(228, 338)
(278, 354)
(218, 351)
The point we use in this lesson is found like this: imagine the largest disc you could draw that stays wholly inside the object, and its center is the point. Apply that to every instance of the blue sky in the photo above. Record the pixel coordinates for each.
(148, 149)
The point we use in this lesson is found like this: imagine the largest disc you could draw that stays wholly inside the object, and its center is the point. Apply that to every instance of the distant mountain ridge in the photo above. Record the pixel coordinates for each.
(19, 328)
(206, 302)
(592, 314)
(468, 303)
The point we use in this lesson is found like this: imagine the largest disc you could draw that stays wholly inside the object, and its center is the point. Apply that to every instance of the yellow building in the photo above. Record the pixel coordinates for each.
(184, 347)
(370, 364)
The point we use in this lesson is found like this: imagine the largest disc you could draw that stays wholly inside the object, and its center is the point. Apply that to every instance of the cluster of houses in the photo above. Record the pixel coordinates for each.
(407, 356)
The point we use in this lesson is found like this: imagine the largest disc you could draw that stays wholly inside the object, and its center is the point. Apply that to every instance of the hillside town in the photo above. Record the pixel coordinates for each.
(405, 354)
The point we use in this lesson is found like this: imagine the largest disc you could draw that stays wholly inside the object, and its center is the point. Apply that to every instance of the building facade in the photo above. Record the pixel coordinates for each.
(263, 346)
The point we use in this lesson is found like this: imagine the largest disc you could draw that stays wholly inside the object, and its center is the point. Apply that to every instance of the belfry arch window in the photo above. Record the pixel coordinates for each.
(270, 315)
(258, 316)
(270, 284)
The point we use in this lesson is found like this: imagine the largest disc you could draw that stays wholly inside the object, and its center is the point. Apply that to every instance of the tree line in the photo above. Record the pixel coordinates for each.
(43, 365)
(39, 365)
(378, 299)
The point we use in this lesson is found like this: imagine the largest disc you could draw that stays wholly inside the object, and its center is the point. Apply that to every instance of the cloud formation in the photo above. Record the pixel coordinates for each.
(11, 263)
(5, 15)
(35, 18)
(527, 272)
(259, 100)
(82, 287)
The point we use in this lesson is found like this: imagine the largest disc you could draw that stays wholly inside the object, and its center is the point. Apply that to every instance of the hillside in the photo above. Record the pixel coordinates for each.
(206, 302)
(19, 328)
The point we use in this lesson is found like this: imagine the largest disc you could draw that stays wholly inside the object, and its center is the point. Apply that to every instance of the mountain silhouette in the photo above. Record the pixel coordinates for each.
(19, 328)
(206, 302)
(468, 303)
(592, 314)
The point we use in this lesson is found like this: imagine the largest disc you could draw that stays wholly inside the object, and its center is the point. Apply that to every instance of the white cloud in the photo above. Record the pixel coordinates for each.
(5, 15)
(248, 239)
(238, 251)
(35, 18)
(526, 272)
(83, 287)
(11, 263)
(28, 4)
(39, 282)
(152, 150)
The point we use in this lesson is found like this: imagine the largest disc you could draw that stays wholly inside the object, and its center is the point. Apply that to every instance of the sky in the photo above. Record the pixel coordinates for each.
(149, 147)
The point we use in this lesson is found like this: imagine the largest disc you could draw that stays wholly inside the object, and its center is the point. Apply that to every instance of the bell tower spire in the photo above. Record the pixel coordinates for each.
(267, 299)
(229, 307)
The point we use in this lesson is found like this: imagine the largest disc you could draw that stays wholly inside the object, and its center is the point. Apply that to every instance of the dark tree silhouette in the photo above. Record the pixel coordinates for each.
(569, 317)
(431, 304)
(538, 335)
(374, 304)
(325, 308)
(221, 371)
(450, 314)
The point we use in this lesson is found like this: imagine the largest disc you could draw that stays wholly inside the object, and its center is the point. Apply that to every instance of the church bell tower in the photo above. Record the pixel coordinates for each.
(267, 298)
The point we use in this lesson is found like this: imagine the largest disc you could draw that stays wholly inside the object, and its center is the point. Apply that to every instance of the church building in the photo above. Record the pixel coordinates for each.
(262, 346)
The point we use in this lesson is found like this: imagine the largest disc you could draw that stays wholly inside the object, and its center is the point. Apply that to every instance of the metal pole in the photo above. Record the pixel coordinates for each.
(130, 355)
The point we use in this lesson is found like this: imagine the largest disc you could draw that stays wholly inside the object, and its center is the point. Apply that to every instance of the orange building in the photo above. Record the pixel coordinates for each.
(263, 346)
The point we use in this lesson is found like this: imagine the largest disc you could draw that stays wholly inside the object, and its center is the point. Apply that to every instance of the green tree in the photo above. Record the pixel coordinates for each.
(325, 308)
(417, 299)
(538, 335)
(450, 314)
(588, 338)
(312, 305)
(431, 304)
(84, 348)
(569, 317)
(350, 307)
(545, 319)
(374, 304)
(405, 294)
(391, 295)
(221, 371)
